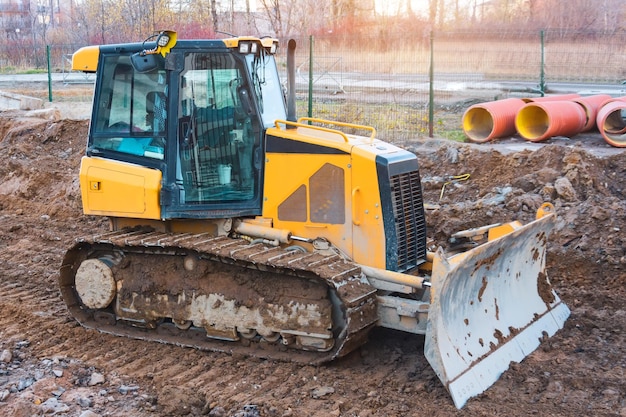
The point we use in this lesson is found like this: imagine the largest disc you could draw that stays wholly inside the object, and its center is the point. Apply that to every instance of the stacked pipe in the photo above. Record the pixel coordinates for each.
(538, 119)
(488, 121)
(611, 121)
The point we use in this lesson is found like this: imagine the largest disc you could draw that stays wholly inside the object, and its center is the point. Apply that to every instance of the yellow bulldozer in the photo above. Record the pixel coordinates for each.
(237, 227)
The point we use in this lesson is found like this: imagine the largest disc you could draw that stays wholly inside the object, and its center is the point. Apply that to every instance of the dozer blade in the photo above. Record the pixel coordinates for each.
(490, 306)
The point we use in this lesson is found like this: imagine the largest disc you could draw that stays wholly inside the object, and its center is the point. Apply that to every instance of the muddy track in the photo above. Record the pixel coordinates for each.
(244, 272)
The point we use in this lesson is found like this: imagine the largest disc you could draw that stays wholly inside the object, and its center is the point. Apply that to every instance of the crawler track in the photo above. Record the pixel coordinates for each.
(151, 265)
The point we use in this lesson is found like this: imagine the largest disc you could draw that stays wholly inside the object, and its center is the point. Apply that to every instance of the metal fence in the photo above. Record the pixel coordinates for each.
(27, 55)
(386, 81)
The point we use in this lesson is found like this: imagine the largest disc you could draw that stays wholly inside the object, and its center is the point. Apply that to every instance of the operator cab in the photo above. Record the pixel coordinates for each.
(197, 111)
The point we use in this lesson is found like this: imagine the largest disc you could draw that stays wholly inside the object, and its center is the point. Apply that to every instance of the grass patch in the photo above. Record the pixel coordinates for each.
(394, 123)
(32, 71)
(9, 70)
(455, 135)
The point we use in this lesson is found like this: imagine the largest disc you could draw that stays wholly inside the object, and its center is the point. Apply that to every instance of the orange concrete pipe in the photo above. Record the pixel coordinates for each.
(495, 119)
(611, 123)
(556, 97)
(539, 121)
(591, 105)
(613, 127)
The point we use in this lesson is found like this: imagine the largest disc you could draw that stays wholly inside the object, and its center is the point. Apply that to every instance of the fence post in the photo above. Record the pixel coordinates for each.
(310, 112)
(49, 74)
(542, 73)
(431, 88)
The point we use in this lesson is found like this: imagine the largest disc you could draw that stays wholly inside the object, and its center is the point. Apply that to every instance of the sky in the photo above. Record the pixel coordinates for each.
(382, 6)
(390, 7)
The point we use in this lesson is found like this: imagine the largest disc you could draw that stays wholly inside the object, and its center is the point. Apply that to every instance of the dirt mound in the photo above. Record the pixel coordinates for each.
(586, 191)
(580, 371)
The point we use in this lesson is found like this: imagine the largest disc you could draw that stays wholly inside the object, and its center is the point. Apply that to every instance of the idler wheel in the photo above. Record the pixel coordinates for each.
(95, 284)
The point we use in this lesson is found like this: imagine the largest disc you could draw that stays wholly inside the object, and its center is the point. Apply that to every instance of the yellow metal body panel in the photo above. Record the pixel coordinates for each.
(502, 230)
(86, 59)
(119, 189)
(234, 42)
(358, 231)
(367, 216)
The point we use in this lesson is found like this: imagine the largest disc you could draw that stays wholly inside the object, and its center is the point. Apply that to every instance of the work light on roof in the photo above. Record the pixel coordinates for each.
(248, 47)
(163, 39)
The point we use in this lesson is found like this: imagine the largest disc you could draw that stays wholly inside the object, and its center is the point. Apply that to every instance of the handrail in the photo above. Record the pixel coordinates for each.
(326, 129)
(343, 124)
(320, 128)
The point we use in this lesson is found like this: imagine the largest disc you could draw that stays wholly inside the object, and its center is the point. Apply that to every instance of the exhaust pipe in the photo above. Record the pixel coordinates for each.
(291, 81)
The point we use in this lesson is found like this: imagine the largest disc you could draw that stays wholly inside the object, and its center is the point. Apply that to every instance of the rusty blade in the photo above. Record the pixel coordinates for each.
(489, 307)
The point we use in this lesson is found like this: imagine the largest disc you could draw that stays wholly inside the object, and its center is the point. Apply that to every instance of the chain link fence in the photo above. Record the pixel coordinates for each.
(384, 80)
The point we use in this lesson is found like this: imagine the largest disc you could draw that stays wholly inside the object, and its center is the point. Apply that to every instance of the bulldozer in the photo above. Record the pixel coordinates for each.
(237, 227)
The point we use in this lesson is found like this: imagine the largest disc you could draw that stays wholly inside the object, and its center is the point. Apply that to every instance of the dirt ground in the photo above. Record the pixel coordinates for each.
(50, 365)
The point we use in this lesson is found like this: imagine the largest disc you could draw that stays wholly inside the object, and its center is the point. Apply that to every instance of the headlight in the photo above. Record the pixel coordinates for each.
(163, 39)
(244, 47)
(247, 47)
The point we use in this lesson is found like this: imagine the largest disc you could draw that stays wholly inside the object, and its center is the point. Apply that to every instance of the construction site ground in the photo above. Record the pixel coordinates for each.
(49, 365)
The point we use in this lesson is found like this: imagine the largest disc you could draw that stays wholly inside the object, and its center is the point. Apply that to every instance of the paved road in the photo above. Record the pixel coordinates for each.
(342, 81)
(9, 80)
(451, 82)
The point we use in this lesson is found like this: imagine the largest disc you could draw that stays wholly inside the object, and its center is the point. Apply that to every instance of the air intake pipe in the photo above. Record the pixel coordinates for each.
(291, 81)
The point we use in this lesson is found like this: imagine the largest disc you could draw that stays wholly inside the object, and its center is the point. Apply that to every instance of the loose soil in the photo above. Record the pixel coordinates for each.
(579, 371)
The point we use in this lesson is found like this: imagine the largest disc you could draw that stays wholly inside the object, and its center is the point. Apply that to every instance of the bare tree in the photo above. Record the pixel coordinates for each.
(432, 11)
(248, 17)
(441, 14)
(273, 12)
(563, 17)
(213, 9)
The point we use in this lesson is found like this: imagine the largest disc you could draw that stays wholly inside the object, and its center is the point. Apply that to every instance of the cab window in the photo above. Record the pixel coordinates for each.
(218, 135)
(131, 110)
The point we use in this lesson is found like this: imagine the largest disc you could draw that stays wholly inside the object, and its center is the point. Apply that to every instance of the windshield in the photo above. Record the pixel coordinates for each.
(267, 87)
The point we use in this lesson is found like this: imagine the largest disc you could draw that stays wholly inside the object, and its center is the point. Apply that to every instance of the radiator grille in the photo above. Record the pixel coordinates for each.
(408, 210)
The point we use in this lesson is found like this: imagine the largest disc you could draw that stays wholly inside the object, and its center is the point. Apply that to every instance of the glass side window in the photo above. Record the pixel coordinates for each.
(131, 111)
(216, 131)
(267, 87)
